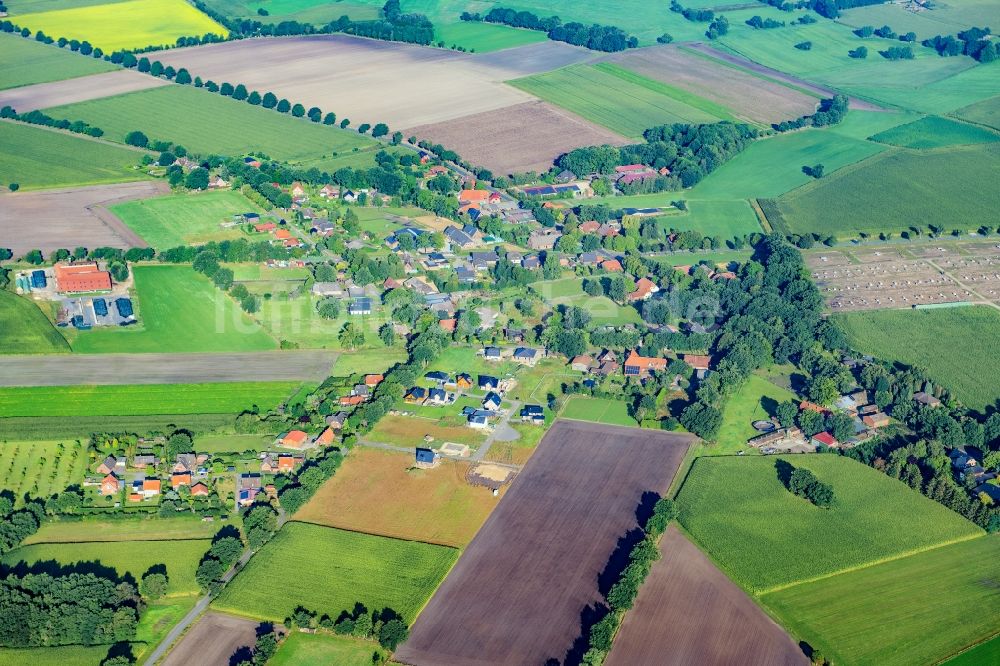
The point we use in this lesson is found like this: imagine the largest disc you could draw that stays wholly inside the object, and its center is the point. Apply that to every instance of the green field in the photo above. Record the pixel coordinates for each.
(755, 399)
(157, 528)
(603, 311)
(27, 62)
(307, 649)
(984, 653)
(124, 25)
(54, 427)
(963, 181)
(24, 329)
(929, 338)
(986, 112)
(296, 319)
(484, 37)
(143, 399)
(329, 570)
(766, 538)
(39, 158)
(41, 468)
(958, 83)
(133, 557)
(618, 99)
(179, 311)
(71, 655)
(208, 123)
(725, 219)
(935, 132)
(184, 219)
(598, 410)
(368, 360)
(915, 610)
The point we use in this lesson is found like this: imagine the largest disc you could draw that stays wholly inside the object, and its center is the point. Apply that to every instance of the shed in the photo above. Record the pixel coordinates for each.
(38, 279)
(100, 307)
(124, 307)
(426, 457)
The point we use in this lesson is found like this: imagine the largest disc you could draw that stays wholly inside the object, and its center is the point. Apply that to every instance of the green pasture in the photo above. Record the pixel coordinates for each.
(936, 132)
(27, 62)
(180, 311)
(598, 410)
(37, 158)
(185, 219)
(966, 84)
(929, 338)
(915, 610)
(939, 19)
(365, 361)
(766, 538)
(54, 427)
(618, 99)
(725, 219)
(68, 655)
(296, 319)
(126, 557)
(204, 122)
(234, 443)
(984, 653)
(986, 112)
(569, 292)
(950, 186)
(755, 399)
(485, 37)
(156, 528)
(41, 468)
(38, 6)
(307, 649)
(209, 398)
(24, 329)
(330, 570)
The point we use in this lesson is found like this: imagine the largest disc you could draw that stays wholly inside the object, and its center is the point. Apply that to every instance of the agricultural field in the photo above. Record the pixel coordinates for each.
(184, 219)
(598, 410)
(984, 653)
(381, 492)
(180, 311)
(893, 614)
(962, 177)
(212, 640)
(37, 158)
(986, 112)
(714, 217)
(27, 62)
(41, 468)
(526, 543)
(680, 609)
(485, 37)
(622, 101)
(935, 132)
(70, 655)
(79, 89)
(26, 329)
(301, 649)
(927, 338)
(124, 25)
(756, 399)
(219, 398)
(181, 528)
(207, 123)
(330, 570)
(125, 557)
(54, 427)
(449, 426)
(729, 505)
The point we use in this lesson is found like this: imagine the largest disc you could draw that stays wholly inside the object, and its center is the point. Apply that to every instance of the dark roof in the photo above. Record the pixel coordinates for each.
(124, 306)
(437, 376)
(425, 455)
(531, 410)
(487, 380)
(100, 307)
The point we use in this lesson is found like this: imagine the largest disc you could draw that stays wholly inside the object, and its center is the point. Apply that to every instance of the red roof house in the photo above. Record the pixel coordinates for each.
(637, 365)
(110, 485)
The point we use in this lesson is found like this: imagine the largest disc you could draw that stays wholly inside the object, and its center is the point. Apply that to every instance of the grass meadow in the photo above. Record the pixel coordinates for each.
(598, 410)
(986, 112)
(156, 528)
(603, 311)
(124, 25)
(914, 610)
(41, 468)
(179, 311)
(209, 123)
(296, 319)
(26, 329)
(307, 649)
(715, 217)
(936, 132)
(963, 187)
(929, 338)
(755, 399)
(368, 360)
(449, 426)
(766, 538)
(485, 37)
(37, 158)
(330, 570)
(54, 427)
(27, 62)
(184, 219)
(209, 398)
(69, 655)
(984, 653)
(961, 84)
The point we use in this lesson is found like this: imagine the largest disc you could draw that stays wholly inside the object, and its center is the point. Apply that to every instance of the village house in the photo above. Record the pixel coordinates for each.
(426, 458)
(293, 439)
(926, 399)
(199, 490)
(416, 395)
(217, 183)
(543, 239)
(532, 414)
(699, 363)
(112, 465)
(637, 365)
(248, 486)
(876, 420)
(492, 401)
(492, 353)
(582, 363)
(526, 356)
(488, 383)
(178, 479)
(149, 487)
(110, 485)
(329, 192)
(644, 289)
(325, 438)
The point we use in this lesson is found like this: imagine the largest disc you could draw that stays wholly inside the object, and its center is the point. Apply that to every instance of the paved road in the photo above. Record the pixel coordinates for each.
(72, 369)
(501, 428)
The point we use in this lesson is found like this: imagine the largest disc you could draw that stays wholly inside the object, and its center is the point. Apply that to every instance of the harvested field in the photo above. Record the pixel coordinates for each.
(525, 137)
(747, 96)
(681, 612)
(113, 369)
(543, 558)
(70, 217)
(213, 640)
(80, 89)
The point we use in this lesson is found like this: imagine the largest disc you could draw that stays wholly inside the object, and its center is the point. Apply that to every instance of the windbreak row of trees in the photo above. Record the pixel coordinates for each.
(596, 37)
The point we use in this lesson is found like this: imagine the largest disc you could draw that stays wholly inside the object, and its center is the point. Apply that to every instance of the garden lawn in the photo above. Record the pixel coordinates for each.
(307, 649)
(929, 339)
(598, 410)
(936, 132)
(24, 329)
(484, 37)
(37, 158)
(915, 610)
(766, 538)
(234, 443)
(212, 398)
(618, 99)
(896, 190)
(41, 468)
(603, 311)
(118, 530)
(179, 310)
(27, 62)
(126, 557)
(330, 570)
(184, 219)
(204, 122)
(296, 320)
(124, 25)
(755, 399)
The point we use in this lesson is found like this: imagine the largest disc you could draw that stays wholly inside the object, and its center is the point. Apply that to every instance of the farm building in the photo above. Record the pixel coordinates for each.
(644, 288)
(76, 278)
(110, 485)
(38, 280)
(426, 458)
(124, 307)
(293, 439)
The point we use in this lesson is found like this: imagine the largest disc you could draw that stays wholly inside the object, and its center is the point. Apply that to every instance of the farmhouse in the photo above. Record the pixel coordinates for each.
(293, 439)
(825, 439)
(532, 414)
(110, 485)
(582, 363)
(644, 288)
(178, 479)
(526, 356)
(543, 239)
(637, 365)
(77, 278)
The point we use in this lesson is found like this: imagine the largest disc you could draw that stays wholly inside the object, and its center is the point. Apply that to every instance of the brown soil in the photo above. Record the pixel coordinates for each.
(212, 641)
(81, 89)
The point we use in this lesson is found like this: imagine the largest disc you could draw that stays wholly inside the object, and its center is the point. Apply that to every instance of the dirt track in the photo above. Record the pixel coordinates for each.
(519, 593)
(688, 612)
(67, 218)
(72, 369)
(212, 641)
(81, 89)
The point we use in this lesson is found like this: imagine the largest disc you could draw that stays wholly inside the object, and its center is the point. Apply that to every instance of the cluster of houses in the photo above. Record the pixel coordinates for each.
(967, 464)
(360, 392)
(144, 481)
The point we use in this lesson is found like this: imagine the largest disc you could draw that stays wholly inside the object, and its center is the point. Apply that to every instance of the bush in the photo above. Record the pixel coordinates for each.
(137, 138)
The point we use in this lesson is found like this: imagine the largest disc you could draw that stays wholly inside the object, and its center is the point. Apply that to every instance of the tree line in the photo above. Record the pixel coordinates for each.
(974, 42)
(596, 37)
(831, 111)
